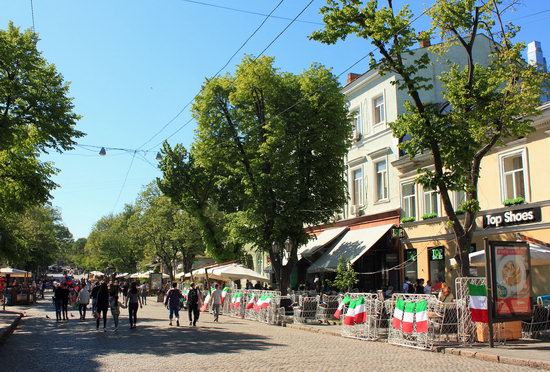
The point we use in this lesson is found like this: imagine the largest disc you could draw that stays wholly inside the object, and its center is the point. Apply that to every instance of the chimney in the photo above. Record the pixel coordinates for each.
(352, 77)
(424, 43)
(535, 56)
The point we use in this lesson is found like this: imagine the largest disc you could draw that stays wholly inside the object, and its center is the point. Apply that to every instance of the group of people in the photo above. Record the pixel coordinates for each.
(442, 289)
(104, 296)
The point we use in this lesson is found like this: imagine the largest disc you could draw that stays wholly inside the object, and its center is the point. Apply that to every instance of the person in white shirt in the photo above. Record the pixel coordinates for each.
(216, 297)
(83, 300)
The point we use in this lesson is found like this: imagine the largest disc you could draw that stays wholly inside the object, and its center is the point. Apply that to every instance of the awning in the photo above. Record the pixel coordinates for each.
(237, 271)
(352, 246)
(540, 256)
(321, 240)
(15, 273)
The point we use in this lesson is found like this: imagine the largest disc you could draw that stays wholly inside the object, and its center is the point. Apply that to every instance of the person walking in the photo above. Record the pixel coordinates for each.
(216, 297)
(83, 301)
(102, 305)
(115, 306)
(143, 289)
(193, 303)
(133, 300)
(173, 298)
(125, 291)
(95, 289)
(57, 294)
(64, 301)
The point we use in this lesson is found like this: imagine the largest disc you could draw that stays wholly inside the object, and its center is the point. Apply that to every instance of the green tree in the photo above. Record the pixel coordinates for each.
(346, 277)
(275, 144)
(36, 115)
(485, 103)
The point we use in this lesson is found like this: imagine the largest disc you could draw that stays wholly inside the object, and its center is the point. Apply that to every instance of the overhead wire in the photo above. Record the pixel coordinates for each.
(248, 11)
(215, 75)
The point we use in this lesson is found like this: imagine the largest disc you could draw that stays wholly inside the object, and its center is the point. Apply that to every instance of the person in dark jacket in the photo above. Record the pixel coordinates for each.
(193, 303)
(57, 294)
(133, 301)
(102, 305)
(173, 298)
(64, 293)
(95, 289)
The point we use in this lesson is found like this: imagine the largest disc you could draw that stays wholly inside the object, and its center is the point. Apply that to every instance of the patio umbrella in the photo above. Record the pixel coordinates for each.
(236, 272)
(14, 273)
(97, 273)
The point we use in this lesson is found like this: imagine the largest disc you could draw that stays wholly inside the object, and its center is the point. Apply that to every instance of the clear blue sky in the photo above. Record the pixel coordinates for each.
(133, 65)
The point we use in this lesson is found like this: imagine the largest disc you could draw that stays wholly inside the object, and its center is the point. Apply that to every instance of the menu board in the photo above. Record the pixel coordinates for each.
(511, 279)
(156, 280)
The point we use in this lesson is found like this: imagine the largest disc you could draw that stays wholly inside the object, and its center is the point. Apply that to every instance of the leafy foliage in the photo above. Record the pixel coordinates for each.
(346, 277)
(485, 100)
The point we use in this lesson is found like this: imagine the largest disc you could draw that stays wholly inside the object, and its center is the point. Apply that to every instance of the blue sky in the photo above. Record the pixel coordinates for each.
(133, 66)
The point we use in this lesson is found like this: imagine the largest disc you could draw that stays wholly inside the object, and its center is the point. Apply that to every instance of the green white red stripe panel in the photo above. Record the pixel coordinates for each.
(250, 303)
(421, 316)
(345, 301)
(398, 313)
(360, 310)
(408, 317)
(478, 303)
(349, 319)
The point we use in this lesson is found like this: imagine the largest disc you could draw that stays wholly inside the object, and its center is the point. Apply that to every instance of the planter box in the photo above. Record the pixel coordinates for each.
(503, 331)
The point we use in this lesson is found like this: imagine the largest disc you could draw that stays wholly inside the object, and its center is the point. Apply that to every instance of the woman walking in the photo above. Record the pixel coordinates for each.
(83, 300)
(132, 301)
(172, 301)
(102, 305)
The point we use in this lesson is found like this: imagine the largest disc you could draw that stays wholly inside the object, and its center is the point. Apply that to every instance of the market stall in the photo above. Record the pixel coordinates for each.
(17, 290)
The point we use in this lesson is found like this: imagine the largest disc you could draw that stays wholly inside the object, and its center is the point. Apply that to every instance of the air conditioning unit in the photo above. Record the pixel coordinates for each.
(356, 135)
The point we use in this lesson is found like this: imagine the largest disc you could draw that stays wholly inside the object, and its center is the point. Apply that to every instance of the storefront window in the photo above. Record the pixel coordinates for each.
(411, 265)
(437, 263)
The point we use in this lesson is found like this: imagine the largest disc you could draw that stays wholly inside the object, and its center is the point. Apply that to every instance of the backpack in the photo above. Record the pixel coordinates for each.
(193, 297)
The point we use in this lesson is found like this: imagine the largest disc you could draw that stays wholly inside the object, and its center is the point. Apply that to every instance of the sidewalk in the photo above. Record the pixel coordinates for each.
(8, 322)
(530, 353)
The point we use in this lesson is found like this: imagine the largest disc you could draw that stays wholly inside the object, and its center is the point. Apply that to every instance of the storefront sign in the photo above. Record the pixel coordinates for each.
(511, 280)
(437, 254)
(515, 217)
(410, 255)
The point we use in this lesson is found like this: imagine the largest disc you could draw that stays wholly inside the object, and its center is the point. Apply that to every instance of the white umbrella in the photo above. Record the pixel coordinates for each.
(14, 273)
(236, 272)
(134, 275)
(124, 275)
(180, 275)
(540, 256)
(97, 273)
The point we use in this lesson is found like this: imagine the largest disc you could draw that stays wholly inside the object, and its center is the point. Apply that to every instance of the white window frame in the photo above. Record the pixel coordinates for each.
(383, 110)
(456, 203)
(357, 122)
(438, 201)
(524, 168)
(415, 203)
(385, 179)
(361, 200)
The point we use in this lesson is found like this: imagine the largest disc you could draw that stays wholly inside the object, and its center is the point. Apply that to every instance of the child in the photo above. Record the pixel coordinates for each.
(115, 309)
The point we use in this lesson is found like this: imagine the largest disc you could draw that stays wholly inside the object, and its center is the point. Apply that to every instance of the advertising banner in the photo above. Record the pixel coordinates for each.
(156, 280)
(511, 280)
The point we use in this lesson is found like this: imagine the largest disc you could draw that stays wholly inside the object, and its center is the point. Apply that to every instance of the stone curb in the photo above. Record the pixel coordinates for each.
(497, 358)
(6, 331)
(314, 330)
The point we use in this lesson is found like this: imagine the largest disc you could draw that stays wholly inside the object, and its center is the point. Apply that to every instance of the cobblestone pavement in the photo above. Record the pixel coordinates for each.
(39, 344)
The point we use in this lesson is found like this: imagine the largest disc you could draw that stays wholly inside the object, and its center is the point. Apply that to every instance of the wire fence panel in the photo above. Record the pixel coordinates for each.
(466, 327)
(306, 310)
(538, 327)
(361, 316)
(409, 324)
(327, 307)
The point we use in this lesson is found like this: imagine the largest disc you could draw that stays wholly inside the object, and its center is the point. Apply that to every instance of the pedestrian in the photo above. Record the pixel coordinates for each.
(193, 303)
(57, 294)
(216, 297)
(419, 286)
(143, 292)
(95, 290)
(428, 287)
(42, 288)
(133, 300)
(173, 301)
(445, 295)
(115, 306)
(64, 301)
(406, 285)
(83, 301)
(102, 305)
(249, 284)
(125, 291)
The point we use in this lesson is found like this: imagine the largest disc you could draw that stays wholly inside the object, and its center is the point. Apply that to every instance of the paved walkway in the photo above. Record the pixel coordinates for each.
(43, 345)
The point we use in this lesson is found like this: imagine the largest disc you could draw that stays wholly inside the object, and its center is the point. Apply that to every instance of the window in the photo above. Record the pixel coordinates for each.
(357, 195)
(381, 180)
(408, 202)
(437, 263)
(460, 197)
(513, 176)
(411, 266)
(357, 127)
(379, 111)
(431, 201)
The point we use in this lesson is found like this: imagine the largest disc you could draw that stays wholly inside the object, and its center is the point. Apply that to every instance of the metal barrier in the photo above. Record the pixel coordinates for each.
(538, 327)
(409, 325)
(306, 310)
(362, 316)
(466, 327)
(327, 307)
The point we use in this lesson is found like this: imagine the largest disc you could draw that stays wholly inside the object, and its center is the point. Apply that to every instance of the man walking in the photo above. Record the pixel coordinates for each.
(193, 303)
(216, 297)
(173, 298)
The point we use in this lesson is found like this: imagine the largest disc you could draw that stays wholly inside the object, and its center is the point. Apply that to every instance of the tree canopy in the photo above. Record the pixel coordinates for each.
(485, 102)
